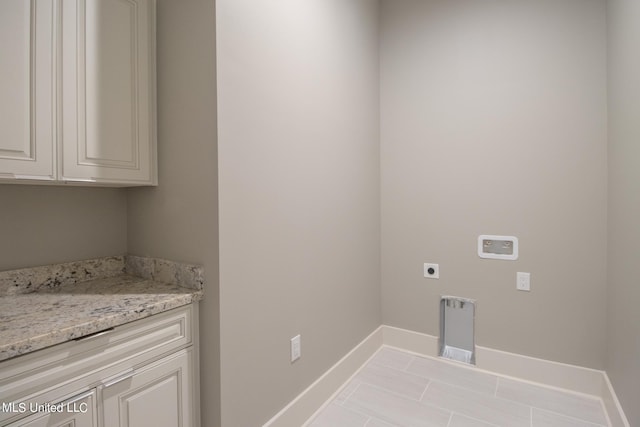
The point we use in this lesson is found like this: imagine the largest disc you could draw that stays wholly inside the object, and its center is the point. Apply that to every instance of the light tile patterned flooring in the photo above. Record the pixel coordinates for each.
(399, 389)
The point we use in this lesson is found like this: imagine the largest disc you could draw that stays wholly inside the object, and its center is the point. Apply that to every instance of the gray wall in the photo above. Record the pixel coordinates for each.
(178, 219)
(43, 225)
(623, 322)
(299, 194)
(494, 122)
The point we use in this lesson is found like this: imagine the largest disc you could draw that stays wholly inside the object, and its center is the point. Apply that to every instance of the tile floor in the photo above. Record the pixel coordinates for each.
(400, 389)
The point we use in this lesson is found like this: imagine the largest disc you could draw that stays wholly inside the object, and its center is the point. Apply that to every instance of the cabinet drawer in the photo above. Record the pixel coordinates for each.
(54, 373)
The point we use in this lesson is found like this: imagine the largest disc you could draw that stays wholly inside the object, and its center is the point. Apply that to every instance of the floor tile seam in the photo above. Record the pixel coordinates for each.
(385, 364)
(571, 417)
(352, 392)
(507, 399)
(373, 363)
(356, 409)
(359, 412)
(372, 418)
(462, 370)
(453, 364)
(433, 405)
(445, 382)
(427, 405)
(555, 412)
(424, 391)
(395, 393)
(450, 418)
(411, 354)
(473, 418)
(458, 386)
(504, 414)
(409, 362)
(485, 421)
(522, 405)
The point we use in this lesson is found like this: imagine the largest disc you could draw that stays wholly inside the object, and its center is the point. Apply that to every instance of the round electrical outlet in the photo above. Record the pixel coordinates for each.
(431, 271)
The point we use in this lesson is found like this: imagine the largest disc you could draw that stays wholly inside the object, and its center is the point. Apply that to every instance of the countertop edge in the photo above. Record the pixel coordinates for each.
(141, 311)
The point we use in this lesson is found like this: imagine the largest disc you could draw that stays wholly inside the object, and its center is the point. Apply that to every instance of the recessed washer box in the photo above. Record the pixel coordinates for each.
(498, 247)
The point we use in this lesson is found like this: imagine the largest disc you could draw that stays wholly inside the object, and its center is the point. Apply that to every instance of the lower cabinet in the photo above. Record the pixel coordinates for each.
(158, 395)
(144, 373)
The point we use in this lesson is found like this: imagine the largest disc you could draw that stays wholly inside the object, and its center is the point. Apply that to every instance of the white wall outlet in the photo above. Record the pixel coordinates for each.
(296, 349)
(431, 271)
(523, 281)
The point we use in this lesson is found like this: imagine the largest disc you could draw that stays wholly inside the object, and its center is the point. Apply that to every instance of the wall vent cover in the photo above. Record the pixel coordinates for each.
(498, 247)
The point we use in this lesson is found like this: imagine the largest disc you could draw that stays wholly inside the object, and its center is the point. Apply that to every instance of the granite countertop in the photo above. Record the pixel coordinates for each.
(50, 305)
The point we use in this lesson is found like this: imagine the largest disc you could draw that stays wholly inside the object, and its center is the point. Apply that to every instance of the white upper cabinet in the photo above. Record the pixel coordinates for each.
(107, 91)
(27, 89)
(80, 91)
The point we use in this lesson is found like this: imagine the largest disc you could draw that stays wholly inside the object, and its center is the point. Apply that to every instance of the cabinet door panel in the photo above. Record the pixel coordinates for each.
(110, 83)
(159, 395)
(26, 89)
(107, 91)
(77, 412)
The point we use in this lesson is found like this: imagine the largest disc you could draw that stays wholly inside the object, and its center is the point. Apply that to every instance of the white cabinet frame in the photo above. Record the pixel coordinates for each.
(78, 94)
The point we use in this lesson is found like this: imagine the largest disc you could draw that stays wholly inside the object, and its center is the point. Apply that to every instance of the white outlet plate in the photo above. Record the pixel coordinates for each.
(523, 281)
(296, 349)
(431, 267)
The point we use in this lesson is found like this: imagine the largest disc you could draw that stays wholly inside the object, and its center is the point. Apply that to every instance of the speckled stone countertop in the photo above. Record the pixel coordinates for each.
(60, 306)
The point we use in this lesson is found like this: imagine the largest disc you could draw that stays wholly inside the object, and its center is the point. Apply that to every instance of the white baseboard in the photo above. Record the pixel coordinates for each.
(612, 404)
(546, 372)
(318, 394)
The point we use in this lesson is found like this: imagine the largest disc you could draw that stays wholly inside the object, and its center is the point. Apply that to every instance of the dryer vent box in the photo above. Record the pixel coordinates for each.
(498, 247)
(457, 335)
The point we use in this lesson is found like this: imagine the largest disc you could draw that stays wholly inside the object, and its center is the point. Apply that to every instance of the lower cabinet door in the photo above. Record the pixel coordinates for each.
(158, 395)
(79, 411)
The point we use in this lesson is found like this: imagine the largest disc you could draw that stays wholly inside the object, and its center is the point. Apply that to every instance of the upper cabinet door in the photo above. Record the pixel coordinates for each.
(27, 86)
(108, 91)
